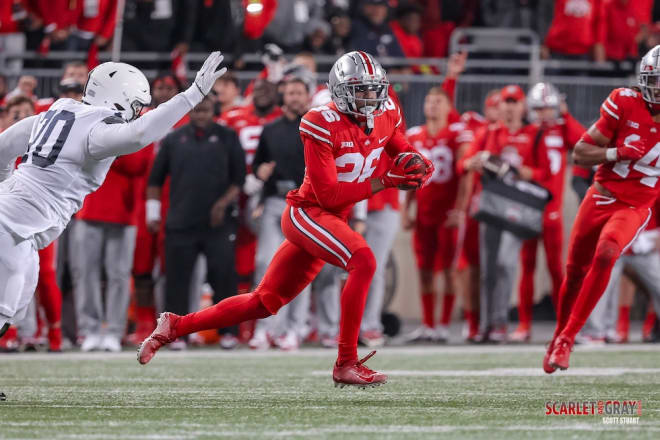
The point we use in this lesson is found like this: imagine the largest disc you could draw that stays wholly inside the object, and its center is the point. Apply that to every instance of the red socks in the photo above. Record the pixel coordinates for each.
(472, 320)
(649, 322)
(428, 308)
(361, 268)
(447, 307)
(50, 296)
(226, 313)
(623, 321)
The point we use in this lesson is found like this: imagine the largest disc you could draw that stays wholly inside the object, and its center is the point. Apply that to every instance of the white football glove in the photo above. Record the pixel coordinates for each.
(207, 74)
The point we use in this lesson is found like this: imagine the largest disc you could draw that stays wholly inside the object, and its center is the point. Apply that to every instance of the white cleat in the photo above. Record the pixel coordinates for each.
(91, 342)
(110, 343)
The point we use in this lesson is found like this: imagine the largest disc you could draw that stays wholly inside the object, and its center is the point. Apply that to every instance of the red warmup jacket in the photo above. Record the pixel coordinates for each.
(59, 14)
(621, 23)
(575, 26)
(98, 18)
(115, 201)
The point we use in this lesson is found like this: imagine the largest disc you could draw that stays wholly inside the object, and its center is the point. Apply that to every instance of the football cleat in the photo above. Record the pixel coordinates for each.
(260, 340)
(497, 335)
(521, 334)
(372, 338)
(441, 334)
(549, 369)
(561, 353)
(163, 334)
(421, 334)
(228, 341)
(91, 342)
(357, 374)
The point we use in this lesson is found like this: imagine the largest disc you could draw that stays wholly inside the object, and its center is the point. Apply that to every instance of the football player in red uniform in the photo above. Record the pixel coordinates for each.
(439, 223)
(626, 144)
(343, 143)
(559, 132)
(248, 122)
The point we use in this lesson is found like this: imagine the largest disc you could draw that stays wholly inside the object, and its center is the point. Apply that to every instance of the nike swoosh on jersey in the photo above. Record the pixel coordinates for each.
(380, 141)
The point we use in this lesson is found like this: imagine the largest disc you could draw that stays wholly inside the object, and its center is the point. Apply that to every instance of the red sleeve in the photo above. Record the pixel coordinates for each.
(611, 112)
(108, 22)
(573, 130)
(322, 171)
(398, 144)
(449, 86)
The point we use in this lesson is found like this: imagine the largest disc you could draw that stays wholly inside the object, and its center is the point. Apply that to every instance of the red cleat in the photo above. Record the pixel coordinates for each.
(549, 369)
(164, 334)
(357, 374)
(561, 353)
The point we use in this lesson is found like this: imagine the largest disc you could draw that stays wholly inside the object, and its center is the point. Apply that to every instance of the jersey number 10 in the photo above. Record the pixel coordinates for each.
(48, 139)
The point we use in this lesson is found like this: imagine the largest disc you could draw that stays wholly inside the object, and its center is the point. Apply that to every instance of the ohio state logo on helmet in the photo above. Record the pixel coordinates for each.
(358, 71)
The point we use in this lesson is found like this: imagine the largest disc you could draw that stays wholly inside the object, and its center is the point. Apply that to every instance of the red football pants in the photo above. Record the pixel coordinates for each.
(553, 239)
(313, 237)
(603, 229)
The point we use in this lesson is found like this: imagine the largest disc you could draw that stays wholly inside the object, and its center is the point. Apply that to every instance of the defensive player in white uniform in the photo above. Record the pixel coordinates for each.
(69, 152)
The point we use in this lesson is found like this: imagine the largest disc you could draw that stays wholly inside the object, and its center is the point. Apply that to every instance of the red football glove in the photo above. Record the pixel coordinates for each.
(404, 173)
(630, 151)
(429, 170)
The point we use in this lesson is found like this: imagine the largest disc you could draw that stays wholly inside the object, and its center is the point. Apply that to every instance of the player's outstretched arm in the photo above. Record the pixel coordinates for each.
(592, 149)
(113, 138)
(13, 143)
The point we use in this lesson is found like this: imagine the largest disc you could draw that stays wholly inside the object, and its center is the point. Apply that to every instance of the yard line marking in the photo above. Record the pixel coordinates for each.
(508, 372)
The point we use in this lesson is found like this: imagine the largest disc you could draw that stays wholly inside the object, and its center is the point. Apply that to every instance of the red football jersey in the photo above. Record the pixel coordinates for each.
(248, 125)
(439, 194)
(558, 138)
(518, 149)
(625, 118)
(473, 121)
(340, 157)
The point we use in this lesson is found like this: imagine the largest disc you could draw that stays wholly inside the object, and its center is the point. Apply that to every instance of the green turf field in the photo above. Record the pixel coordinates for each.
(455, 392)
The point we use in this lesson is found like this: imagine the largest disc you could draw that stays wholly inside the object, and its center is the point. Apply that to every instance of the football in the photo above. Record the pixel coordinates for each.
(410, 159)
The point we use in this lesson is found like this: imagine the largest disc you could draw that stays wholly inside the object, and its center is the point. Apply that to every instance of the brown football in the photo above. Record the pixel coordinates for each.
(410, 160)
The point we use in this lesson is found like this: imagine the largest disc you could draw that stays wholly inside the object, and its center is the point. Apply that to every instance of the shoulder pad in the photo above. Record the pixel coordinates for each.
(317, 122)
(113, 119)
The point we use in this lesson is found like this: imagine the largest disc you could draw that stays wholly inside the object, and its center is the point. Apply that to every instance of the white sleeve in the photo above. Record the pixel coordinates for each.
(107, 139)
(14, 143)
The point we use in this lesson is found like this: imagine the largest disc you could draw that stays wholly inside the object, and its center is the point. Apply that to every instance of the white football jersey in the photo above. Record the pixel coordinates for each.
(69, 151)
(56, 172)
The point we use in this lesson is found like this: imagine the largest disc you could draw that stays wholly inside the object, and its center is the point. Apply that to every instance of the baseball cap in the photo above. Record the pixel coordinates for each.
(512, 92)
(493, 100)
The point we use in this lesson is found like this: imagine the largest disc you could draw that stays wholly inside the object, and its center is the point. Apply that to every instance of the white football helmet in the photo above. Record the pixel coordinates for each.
(649, 76)
(543, 95)
(358, 71)
(118, 86)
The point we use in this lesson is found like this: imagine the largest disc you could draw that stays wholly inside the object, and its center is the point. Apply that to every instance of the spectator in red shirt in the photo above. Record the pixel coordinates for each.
(574, 32)
(103, 237)
(620, 28)
(406, 29)
(95, 24)
(440, 18)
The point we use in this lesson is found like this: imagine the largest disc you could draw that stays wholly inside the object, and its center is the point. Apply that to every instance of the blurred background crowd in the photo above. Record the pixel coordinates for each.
(179, 231)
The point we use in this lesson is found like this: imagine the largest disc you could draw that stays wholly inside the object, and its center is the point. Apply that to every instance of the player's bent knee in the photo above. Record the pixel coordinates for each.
(607, 253)
(270, 301)
(364, 261)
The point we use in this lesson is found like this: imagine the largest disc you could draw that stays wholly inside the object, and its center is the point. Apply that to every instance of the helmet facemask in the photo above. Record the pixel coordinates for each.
(649, 83)
(368, 108)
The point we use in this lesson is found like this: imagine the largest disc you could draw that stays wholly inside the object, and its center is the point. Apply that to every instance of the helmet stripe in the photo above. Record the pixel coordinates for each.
(365, 58)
